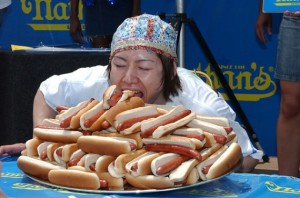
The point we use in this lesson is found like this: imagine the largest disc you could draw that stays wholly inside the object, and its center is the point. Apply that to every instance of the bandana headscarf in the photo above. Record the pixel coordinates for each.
(145, 32)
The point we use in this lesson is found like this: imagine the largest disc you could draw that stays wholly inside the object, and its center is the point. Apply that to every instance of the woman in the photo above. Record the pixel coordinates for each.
(143, 58)
(288, 73)
(101, 17)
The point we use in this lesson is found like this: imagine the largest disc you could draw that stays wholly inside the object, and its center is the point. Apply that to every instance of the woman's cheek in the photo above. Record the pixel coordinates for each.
(114, 77)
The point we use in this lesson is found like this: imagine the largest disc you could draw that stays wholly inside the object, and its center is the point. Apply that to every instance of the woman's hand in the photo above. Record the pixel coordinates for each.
(12, 149)
(264, 20)
(295, 14)
(75, 30)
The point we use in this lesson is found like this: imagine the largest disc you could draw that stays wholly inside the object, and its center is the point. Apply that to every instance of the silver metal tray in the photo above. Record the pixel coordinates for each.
(131, 190)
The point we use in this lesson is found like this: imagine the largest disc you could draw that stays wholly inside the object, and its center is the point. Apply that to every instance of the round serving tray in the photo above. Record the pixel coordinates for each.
(131, 190)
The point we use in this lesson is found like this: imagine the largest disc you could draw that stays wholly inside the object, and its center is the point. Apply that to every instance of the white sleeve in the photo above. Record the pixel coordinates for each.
(72, 88)
(197, 96)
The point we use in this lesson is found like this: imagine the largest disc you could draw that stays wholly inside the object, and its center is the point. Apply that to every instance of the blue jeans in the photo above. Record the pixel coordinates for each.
(288, 50)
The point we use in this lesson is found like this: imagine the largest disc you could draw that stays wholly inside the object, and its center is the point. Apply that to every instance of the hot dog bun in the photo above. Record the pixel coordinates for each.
(112, 182)
(42, 150)
(104, 145)
(74, 179)
(149, 181)
(50, 122)
(68, 150)
(180, 174)
(141, 165)
(205, 164)
(31, 146)
(158, 164)
(128, 122)
(231, 138)
(217, 120)
(103, 162)
(90, 161)
(57, 155)
(208, 127)
(117, 168)
(71, 118)
(76, 167)
(92, 119)
(193, 177)
(50, 150)
(172, 144)
(130, 103)
(164, 124)
(75, 158)
(171, 140)
(63, 153)
(135, 136)
(195, 134)
(227, 161)
(36, 167)
(169, 128)
(109, 92)
(206, 152)
(57, 135)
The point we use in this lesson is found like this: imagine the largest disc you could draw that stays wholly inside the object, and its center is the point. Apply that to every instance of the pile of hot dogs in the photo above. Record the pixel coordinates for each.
(120, 142)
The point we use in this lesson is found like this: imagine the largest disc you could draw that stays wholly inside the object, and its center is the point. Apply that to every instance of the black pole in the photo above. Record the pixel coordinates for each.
(225, 85)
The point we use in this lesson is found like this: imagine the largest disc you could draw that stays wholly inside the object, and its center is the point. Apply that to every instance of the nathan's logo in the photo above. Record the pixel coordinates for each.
(250, 84)
(271, 186)
(49, 14)
(287, 2)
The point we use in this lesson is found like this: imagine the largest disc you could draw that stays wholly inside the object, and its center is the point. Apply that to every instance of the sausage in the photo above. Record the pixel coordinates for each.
(92, 167)
(176, 117)
(85, 132)
(171, 165)
(200, 137)
(220, 138)
(43, 155)
(114, 99)
(66, 122)
(89, 122)
(228, 129)
(103, 183)
(132, 146)
(59, 152)
(205, 169)
(128, 123)
(74, 161)
(105, 124)
(174, 149)
(134, 166)
(61, 108)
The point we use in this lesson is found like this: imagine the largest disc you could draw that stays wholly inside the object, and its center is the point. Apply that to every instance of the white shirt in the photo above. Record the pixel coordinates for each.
(4, 3)
(85, 83)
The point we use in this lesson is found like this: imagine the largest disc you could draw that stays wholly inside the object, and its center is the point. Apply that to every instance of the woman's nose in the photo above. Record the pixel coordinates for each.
(130, 76)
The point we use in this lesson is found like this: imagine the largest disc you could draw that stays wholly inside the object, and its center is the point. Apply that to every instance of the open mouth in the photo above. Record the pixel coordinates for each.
(137, 93)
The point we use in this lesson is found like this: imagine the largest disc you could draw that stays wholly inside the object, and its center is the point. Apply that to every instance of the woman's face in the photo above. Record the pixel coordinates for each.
(140, 71)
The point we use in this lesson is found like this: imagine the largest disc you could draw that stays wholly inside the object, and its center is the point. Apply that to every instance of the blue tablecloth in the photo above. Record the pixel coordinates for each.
(15, 184)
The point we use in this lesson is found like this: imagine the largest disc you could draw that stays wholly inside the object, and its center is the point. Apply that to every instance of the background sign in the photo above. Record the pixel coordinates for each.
(227, 26)
(280, 5)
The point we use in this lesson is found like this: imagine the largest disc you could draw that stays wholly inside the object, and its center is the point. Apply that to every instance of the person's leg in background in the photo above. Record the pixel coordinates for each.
(288, 129)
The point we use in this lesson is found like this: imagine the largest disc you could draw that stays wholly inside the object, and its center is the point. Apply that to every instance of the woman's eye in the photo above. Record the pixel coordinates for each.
(144, 68)
(120, 66)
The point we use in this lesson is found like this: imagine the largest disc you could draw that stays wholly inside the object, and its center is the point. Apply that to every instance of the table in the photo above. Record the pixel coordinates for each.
(15, 184)
(21, 74)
